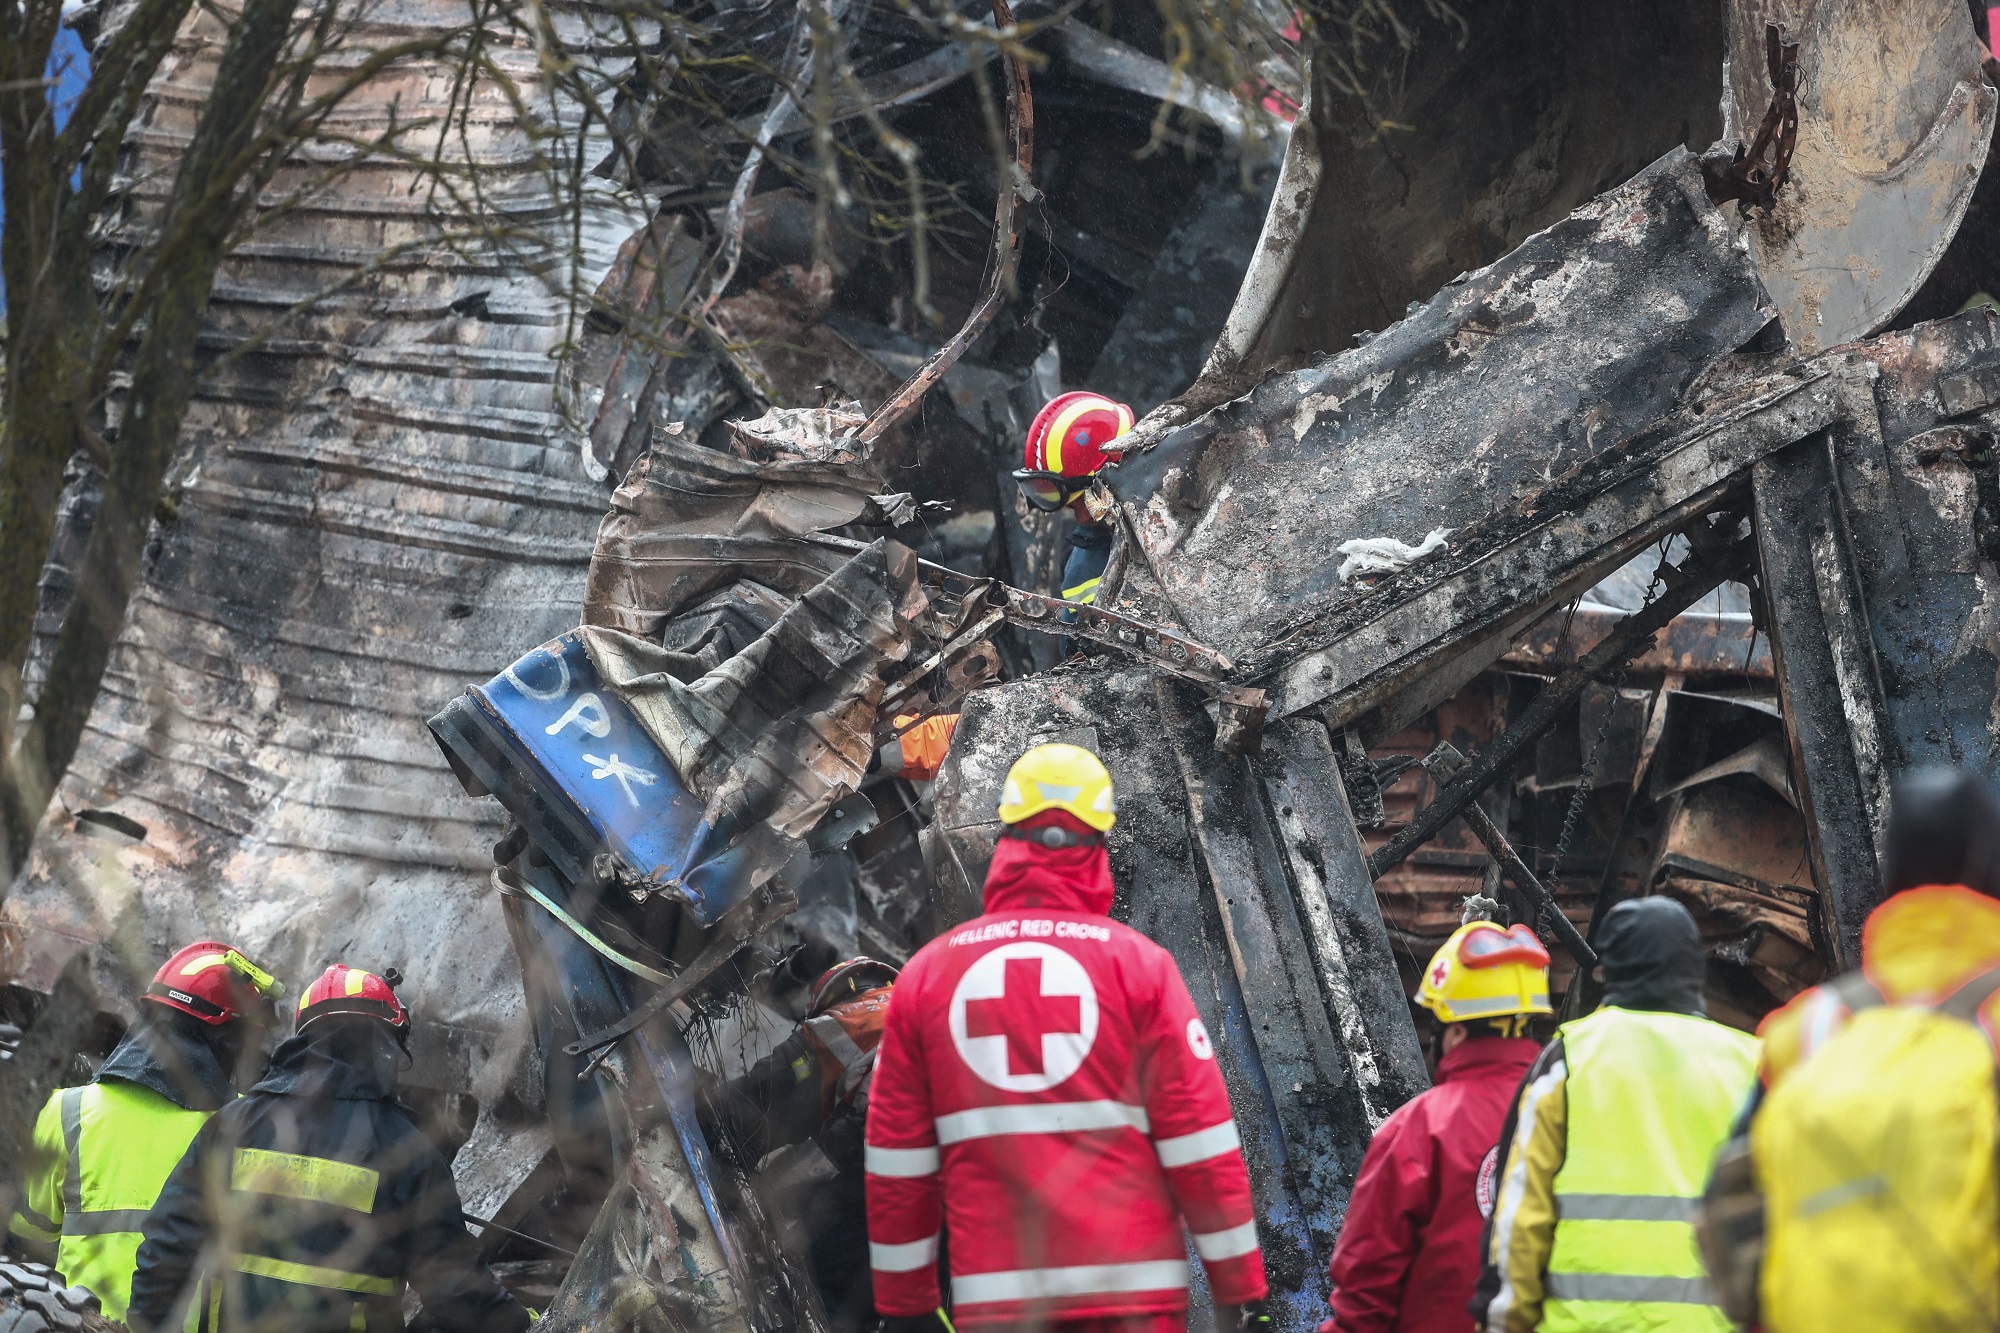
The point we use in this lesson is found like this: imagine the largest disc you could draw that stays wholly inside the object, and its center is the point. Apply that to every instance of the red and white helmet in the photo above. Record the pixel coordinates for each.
(1068, 436)
(214, 982)
(848, 978)
(348, 990)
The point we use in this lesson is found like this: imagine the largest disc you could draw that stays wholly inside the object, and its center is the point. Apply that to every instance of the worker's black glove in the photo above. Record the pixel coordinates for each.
(934, 1322)
(1249, 1317)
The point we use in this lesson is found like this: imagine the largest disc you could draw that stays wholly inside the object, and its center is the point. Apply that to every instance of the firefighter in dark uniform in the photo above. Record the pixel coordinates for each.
(316, 1194)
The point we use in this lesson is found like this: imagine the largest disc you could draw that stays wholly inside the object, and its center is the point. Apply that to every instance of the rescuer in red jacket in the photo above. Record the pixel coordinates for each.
(1046, 1091)
(1408, 1254)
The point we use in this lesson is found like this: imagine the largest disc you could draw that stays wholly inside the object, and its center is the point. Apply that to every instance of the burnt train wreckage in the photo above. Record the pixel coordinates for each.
(1469, 558)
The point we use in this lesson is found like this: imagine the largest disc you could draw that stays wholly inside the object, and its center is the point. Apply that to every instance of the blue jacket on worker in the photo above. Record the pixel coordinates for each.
(319, 1195)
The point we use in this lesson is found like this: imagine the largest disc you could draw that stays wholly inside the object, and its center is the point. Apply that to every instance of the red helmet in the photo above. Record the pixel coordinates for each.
(348, 990)
(847, 979)
(213, 982)
(1069, 435)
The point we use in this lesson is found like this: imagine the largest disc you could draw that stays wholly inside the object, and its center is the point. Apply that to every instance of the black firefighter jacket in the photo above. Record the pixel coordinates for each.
(308, 1204)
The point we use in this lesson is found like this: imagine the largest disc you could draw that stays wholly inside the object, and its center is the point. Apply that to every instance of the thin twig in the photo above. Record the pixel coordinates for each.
(1006, 256)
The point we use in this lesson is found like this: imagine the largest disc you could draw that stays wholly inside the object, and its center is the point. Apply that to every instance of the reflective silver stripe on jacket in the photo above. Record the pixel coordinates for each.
(908, 1257)
(899, 1161)
(1216, 1245)
(104, 1221)
(1039, 1118)
(1629, 1287)
(1187, 1149)
(72, 1127)
(1040, 1284)
(834, 1037)
(1625, 1208)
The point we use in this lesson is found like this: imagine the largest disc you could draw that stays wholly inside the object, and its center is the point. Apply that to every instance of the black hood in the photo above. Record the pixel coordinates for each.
(344, 1058)
(1944, 828)
(1651, 954)
(176, 1055)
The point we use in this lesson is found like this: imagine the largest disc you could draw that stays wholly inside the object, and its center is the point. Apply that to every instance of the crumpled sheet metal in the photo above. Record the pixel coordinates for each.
(1895, 116)
(785, 728)
(688, 521)
(1509, 378)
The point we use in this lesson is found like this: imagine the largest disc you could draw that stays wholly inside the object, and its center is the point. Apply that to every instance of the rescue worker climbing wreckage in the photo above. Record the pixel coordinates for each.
(1864, 1193)
(103, 1152)
(315, 1196)
(1606, 1151)
(1408, 1253)
(1063, 469)
(1046, 1093)
(814, 1085)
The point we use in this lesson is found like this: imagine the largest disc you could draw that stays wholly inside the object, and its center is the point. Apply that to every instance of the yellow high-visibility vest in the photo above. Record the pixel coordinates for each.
(102, 1154)
(1651, 1097)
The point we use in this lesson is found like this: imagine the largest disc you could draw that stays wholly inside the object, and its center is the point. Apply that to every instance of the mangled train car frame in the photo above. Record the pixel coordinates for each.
(1660, 381)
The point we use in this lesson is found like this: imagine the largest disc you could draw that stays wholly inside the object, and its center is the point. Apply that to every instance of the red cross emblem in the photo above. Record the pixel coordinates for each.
(1440, 973)
(1024, 1016)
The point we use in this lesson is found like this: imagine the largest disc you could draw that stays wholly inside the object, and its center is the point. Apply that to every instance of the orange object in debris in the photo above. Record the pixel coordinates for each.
(918, 752)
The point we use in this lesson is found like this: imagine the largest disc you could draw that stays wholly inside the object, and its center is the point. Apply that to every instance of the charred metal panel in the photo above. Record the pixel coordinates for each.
(1248, 871)
(1895, 116)
(1877, 540)
(1582, 337)
(1383, 649)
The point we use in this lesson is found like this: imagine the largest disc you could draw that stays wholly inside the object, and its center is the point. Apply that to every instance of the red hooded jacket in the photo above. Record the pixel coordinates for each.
(1409, 1248)
(1045, 1088)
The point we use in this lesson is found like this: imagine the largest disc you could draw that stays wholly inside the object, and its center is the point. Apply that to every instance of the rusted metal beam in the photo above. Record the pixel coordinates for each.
(1686, 586)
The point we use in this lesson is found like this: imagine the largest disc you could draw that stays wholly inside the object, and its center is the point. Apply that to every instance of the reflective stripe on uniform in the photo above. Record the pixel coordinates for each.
(104, 1221)
(1214, 1245)
(900, 1161)
(312, 1275)
(834, 1037)
(905, 1258)
(1084, 593)
(72, 1125)
(1629, 1287)
(1042, 1118)
(1494, 1006)
(28, 1224)
(1198, 1146)
(1625, 1208)
(315, 1179)
(1037, 1284)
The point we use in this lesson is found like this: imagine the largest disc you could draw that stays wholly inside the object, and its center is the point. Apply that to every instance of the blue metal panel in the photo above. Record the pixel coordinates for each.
(571, 762)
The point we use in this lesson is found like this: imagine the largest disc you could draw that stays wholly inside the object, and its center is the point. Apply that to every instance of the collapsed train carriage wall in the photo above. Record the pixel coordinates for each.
(1249, 870)
(1877, 542)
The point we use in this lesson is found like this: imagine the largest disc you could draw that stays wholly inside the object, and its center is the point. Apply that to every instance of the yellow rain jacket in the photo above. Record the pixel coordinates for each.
(1875, 1147)
(1616, 1128)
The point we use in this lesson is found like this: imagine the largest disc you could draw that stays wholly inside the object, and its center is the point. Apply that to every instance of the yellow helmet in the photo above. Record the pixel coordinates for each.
(1059, 777)
(1487, 970)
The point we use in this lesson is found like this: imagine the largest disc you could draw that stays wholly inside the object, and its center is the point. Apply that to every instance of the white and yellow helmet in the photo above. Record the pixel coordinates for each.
(1059, 777)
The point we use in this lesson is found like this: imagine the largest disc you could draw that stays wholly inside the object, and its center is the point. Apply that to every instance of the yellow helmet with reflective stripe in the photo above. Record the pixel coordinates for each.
(1059, 777)
(1487, 970)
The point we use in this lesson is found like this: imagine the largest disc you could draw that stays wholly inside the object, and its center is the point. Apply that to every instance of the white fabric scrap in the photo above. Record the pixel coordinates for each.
(1385, 555)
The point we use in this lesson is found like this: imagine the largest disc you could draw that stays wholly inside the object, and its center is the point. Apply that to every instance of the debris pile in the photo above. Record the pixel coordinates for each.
(1635, 560)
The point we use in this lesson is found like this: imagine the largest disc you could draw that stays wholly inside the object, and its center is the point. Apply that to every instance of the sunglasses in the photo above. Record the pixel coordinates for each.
(1050, 491)
(1489, 948)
